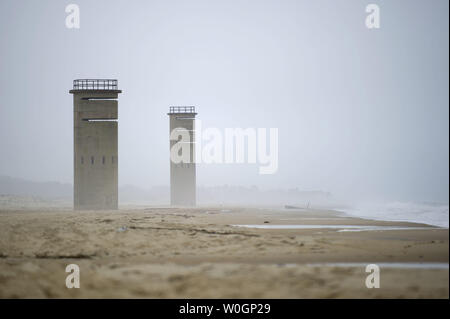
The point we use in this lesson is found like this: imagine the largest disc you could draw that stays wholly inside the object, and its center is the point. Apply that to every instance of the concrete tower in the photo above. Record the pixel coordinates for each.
(182, 175)
(95, 144)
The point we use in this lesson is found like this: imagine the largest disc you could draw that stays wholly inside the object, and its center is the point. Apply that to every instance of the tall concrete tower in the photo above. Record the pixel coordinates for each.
(95, 144)
(183, 174)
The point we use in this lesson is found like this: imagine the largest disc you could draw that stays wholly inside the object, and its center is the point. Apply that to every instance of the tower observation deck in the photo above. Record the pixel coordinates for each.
(95, 143)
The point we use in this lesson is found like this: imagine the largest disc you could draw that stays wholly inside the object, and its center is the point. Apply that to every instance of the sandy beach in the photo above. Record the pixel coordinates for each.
(140, 252)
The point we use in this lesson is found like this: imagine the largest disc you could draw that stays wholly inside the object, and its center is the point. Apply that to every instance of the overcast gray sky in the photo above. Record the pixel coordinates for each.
(360, 112)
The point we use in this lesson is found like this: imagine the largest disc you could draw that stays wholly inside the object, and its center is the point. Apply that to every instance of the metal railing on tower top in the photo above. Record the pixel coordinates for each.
(95, 84)
(181, 109)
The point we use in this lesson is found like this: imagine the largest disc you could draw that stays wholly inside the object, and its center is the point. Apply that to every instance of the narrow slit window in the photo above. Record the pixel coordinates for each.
(82, 160)
(92, 160)
(103, 160)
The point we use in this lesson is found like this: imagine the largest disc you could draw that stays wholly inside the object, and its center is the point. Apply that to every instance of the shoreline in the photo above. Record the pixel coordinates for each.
(383, 218)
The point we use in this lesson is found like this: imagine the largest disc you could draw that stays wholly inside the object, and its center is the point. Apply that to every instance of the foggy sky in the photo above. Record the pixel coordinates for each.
(361, 113)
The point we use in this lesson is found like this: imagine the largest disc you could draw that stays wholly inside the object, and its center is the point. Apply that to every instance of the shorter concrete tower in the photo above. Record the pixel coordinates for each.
(183, 174)
(95, 144)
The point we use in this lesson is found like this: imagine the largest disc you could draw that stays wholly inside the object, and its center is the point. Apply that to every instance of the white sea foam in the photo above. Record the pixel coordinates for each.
(425, 213)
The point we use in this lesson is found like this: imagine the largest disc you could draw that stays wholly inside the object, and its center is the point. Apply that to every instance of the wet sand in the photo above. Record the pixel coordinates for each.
(197, 253)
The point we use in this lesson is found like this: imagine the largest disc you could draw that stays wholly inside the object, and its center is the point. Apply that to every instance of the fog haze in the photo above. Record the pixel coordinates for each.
(360, 113)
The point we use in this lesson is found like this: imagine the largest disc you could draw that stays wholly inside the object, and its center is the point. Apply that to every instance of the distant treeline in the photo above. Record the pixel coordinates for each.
(48, 190)
(216, 195)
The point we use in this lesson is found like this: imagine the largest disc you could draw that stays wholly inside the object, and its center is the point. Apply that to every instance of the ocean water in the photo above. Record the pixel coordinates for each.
(340, 228)
(406, 265)
(426, 213)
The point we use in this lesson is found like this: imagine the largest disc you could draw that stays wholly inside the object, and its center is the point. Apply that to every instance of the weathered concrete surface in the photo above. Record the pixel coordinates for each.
(95, 149)
(183, 175)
